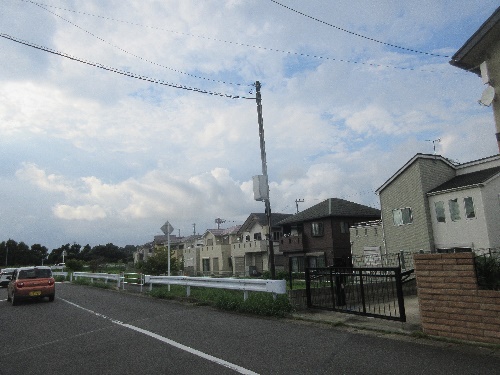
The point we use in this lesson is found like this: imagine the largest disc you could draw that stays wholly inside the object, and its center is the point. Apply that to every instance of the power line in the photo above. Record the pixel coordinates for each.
(132, 54)
(122, 72)
(249, 45)
(359, 35)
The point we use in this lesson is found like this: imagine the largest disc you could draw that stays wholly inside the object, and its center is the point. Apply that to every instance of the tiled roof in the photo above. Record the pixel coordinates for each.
(333, 207)
(261, 218)
(223, 232)
(469, 179)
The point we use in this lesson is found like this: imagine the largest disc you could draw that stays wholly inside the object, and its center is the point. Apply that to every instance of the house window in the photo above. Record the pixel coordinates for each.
(440, 215)
(375, 231)
(344, 227)
(366, 231)
(469, 208)
(402, 216)
(276, 236)
(206, 264)
(454, 209)
(257, 236)
(247, 237)
(317, 229)
(210, 242)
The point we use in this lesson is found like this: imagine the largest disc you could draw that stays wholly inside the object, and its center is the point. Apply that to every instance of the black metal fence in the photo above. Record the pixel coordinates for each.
(487, 264)
(375, 292)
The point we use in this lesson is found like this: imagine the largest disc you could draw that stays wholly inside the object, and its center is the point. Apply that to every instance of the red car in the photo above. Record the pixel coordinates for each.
(31, 282)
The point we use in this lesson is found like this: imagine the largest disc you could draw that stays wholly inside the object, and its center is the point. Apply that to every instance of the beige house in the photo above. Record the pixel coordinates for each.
(481, 55)
(143, 253)
(215, 254)
(249, 253)
(191, 251)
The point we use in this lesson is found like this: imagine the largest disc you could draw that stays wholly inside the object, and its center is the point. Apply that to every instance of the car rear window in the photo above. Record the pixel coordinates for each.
(35, 273)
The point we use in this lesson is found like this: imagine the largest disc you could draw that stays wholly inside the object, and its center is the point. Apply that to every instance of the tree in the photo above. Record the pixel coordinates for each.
(157, 264)
(39, 253)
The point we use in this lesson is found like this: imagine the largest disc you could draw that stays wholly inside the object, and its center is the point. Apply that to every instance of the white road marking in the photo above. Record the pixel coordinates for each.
(165, 340)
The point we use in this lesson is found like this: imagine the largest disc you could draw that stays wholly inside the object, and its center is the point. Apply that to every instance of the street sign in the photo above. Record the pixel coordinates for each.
(167, 228)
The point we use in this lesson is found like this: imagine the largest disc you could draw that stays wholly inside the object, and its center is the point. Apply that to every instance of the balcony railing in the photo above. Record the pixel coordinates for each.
(292, 243)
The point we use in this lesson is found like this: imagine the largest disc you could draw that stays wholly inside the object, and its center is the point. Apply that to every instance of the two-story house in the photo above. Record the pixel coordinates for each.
(192, 247)
(432, 204)
(215, 254)
(250, 251)
(319, 235)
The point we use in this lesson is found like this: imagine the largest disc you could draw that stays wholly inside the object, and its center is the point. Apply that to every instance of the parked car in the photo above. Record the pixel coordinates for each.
(5, 276)
(31, 282)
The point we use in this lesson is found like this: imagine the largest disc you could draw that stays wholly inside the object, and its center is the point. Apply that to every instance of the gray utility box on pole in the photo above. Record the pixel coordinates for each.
(260, 188)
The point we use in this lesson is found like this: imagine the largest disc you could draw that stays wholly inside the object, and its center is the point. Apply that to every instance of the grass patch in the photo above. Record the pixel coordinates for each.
(95, 284)
(230, 300)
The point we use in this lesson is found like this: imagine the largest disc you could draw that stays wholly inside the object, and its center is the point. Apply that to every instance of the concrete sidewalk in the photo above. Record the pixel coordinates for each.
(412, 324)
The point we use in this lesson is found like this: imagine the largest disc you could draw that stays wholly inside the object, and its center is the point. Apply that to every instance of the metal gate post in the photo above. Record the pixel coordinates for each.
(362, 290)
(399, 290)
(308, 288)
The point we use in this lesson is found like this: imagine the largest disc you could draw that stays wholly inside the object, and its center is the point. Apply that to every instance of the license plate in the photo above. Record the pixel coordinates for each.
(34, 294)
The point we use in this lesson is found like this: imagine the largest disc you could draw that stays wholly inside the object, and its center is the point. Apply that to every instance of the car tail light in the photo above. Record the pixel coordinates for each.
(51, 281)
(19, 284)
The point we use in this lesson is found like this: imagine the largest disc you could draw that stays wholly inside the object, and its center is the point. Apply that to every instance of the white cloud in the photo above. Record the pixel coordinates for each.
(89, 213)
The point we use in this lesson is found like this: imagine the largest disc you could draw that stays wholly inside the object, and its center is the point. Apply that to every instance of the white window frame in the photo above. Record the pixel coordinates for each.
(399, 218)
(468, 212)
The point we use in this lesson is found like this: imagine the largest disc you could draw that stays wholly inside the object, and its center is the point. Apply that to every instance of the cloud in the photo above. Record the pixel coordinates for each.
(89, 213)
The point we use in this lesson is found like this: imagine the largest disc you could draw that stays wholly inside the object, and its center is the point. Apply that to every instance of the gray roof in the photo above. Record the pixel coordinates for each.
(261, 218)
(223, 232)
(334, 207)
(467, 180)
(473, 52)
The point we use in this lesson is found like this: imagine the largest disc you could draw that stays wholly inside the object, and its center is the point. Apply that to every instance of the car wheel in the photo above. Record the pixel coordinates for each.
(13, 300)
(8, 297)
(51, 297)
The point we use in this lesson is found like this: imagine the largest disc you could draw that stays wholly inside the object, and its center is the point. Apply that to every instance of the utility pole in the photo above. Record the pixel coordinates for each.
(267, 201)
(297, 201)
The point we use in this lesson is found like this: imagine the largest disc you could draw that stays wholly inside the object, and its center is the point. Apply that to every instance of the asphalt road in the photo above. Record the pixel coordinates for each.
(93, 331)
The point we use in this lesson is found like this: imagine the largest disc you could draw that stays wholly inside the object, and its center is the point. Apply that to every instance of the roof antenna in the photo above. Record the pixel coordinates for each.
(297, 201)
(434, 141)
(219, 221)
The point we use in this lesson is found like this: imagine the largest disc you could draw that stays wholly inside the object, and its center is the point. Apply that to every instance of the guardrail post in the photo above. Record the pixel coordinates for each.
(245, 295)
(188, 290)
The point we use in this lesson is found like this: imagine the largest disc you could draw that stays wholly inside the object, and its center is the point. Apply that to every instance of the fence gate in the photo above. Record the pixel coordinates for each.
(375, 292)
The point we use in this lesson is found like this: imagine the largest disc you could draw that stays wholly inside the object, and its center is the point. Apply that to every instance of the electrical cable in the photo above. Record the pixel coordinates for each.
(122, 72)
(132, 54)
(359, 35)
(240, 44)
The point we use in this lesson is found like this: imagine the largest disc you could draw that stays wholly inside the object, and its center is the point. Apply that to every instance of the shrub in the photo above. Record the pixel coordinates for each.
(75, 264)
(488, 272)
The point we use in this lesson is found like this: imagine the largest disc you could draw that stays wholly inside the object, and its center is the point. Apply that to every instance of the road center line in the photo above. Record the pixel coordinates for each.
(165, 340)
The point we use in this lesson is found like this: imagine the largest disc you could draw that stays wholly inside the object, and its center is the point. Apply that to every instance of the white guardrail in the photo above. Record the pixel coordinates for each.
(245, 285)
(98, 276)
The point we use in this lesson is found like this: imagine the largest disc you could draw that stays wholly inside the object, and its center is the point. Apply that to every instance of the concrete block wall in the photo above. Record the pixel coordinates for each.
(451, 304)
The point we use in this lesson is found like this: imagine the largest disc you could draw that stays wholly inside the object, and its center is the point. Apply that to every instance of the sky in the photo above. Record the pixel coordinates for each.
(351, 90)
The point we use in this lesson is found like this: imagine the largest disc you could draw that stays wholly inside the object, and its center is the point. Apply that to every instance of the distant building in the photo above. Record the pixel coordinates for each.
(215, 254)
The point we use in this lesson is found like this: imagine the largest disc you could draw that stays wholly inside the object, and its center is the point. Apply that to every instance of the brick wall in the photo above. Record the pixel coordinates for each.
(451, 305)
